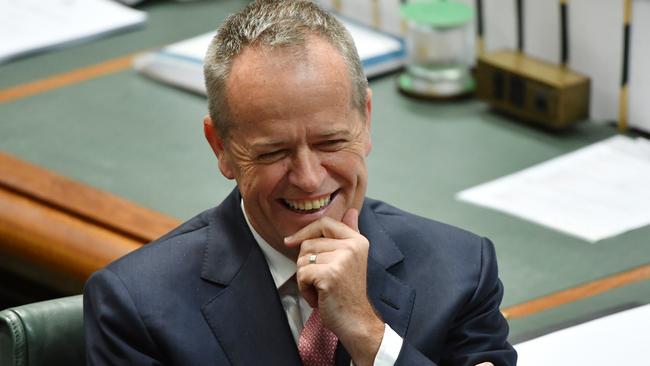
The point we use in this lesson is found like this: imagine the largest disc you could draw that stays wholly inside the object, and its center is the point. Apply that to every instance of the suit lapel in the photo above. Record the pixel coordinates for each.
(390, 297)
(246, 315)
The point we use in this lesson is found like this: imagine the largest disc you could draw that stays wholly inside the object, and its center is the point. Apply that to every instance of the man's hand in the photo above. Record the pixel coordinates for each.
(336, 282)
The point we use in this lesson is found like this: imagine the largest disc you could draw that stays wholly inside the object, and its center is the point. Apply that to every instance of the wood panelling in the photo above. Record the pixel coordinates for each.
(65, 226)
(77, 199)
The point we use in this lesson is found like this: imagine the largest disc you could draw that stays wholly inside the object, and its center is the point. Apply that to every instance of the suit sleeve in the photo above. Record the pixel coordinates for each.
(479, 332)
(114, 331)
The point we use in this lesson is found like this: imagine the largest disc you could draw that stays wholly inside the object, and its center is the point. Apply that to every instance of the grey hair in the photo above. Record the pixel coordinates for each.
(274, 24)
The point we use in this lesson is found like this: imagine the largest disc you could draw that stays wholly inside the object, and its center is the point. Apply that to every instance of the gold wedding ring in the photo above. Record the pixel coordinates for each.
(312, 258)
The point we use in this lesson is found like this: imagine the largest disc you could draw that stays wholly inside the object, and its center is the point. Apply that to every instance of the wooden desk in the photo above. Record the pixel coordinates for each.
(69, 229)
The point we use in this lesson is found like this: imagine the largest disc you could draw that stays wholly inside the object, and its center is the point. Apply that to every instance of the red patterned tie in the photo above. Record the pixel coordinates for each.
(317, 343)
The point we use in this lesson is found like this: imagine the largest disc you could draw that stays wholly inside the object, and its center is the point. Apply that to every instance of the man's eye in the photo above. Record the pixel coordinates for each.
(270, 155)
(332, 144)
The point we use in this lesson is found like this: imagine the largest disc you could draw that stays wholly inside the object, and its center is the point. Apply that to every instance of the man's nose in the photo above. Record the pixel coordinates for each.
(306, 173)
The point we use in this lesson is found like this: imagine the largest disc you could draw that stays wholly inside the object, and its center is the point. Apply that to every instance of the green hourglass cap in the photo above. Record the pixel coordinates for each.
(437, 13)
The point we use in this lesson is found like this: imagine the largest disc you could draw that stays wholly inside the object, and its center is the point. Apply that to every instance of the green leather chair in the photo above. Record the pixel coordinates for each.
(43, 333)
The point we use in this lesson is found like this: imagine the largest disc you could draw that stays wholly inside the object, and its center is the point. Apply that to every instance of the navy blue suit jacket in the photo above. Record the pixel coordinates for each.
(203, 295)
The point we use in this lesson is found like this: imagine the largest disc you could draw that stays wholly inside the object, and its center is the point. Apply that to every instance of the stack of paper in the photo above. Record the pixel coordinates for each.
(28, 26)
(593, 193)
(181, 64)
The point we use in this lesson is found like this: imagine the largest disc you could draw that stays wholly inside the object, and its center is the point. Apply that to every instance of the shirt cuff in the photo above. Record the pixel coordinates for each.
(389, 348)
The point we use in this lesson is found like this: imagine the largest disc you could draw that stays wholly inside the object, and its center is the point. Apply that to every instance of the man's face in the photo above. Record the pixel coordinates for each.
(298, 147)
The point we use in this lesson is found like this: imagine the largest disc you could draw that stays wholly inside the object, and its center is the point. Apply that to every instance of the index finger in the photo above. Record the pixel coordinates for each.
(323, 227)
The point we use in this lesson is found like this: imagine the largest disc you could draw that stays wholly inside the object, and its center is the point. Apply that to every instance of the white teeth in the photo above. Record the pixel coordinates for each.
(308, 205)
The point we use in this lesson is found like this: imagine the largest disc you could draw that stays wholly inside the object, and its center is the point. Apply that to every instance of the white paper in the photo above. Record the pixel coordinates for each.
(593, 193)
(618, 339)
(28, 26)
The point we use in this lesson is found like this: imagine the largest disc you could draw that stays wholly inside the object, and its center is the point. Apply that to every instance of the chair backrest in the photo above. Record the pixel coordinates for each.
(43, 333)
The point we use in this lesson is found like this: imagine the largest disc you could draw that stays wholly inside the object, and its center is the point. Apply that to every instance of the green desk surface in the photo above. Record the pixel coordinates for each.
(136, 138)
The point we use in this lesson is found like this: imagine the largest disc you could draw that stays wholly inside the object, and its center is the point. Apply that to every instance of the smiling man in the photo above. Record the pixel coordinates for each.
(296, 266)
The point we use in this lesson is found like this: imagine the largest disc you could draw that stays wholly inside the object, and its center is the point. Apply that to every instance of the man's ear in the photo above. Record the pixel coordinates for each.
(217, 144)
(368, 119)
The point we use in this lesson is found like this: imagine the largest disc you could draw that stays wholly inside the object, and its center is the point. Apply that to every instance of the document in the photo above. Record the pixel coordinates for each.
(618, 339)
(28, 26)
(593, 193)
(181, 64)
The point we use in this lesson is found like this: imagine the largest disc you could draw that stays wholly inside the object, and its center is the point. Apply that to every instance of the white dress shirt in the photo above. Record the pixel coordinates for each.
(298, 310)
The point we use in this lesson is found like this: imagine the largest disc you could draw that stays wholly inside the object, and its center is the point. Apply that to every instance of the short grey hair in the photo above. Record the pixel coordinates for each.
(274, 24)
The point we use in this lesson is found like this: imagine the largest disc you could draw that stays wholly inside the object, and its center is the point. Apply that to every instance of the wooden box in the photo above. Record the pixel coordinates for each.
(531, 89)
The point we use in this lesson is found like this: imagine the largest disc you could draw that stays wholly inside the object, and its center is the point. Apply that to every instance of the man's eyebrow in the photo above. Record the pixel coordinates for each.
(334, 132)
(266, 144)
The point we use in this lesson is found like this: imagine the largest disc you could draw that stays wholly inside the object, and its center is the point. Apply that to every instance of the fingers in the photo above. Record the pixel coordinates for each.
(325, 227)
(318, 245)
(322, 257)
(318, 279)
(328, 228)
(309, 293)
(335, 248)
(308, 274)
(307, 283)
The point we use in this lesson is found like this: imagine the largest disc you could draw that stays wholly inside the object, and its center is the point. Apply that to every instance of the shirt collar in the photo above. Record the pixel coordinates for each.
(281, 267)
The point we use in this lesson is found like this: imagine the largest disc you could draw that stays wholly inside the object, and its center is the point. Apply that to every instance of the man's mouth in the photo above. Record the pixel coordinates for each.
(308, 206)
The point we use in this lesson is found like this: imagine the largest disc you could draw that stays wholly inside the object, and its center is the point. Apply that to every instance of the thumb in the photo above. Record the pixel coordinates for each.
(351, 219)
